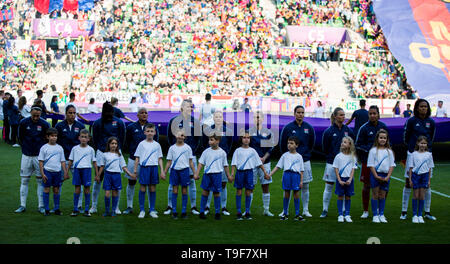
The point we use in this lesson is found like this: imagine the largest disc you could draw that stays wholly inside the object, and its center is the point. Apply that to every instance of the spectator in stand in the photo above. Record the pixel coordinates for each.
(54, 109)
(441, 111)
(92, 108)
(246, 107)
(361, 116)
(408, 112)
(396, 109)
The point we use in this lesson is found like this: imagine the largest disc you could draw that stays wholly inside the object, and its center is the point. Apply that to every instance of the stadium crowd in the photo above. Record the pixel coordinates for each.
(194, 47)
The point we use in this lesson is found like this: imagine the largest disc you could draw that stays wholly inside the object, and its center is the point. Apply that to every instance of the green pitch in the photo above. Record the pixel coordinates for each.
(32, 227)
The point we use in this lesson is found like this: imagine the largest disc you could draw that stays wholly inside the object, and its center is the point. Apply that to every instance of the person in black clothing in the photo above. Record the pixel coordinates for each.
(361, 116)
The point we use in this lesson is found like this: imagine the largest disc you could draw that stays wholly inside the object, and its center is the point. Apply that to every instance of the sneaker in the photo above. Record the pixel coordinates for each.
(281, 214)
(202, 215)
(324, 214)
(175, 216)
(93, 210)
(46, 212)
(429, 216)
(16, 146)
(365, 215)
(168, 210)
(52, 211)
(248, 216)
(217, 216)
(403, 216)
(106, 214)
(421, 221)
(183, 215)
(195, 211)
(87, 214)
(307, 214)
(383, 219)
(21, 209)
(141, 214)
(113, 214)
(206, 210)
(129, 210)
(341, 219)
(58, 212)
(41, 210)
(284, 217)
(153, 214)
(267, 213)
(415, 219)
(348, 219)
(299, 218)
(118, 212)
(225, 211)
(239, 216)
(74, 213)
(376, 219)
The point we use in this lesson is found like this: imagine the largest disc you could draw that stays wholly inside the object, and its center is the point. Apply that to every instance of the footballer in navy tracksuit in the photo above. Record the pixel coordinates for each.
(415, 126)
(193, 134)
(134, 136)
(32, 136)
(100, 134)
(331, 144)
(307, 137)
(226, 142)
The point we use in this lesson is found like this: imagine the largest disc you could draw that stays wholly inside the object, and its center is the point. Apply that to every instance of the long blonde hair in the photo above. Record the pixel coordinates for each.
(351, 149)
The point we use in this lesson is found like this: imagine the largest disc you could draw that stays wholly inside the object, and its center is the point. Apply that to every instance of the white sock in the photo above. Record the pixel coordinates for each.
(327, 193)
(118, 200)
(95, 193)
(427, 206)
(266, 201)
(24, 191)
(223, 197)
(40, 191)
(208, 202)
(405, 198)
(130, 195)
(169, 195)
(193, 193)
(305, 197)
(80, 200)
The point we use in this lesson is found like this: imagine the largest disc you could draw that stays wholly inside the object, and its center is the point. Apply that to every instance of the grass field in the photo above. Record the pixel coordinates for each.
(32, 227)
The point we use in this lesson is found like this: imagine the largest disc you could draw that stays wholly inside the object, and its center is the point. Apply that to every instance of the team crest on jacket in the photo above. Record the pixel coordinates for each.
(114, 123)
(306, 131)
(346, 134)
(427, 124)
(77, 130)
(39, 128)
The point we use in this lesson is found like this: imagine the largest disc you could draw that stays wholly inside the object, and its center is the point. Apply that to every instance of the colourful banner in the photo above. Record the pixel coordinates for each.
(7, 14)
(417, 32)
(72, 28)
(298, 52)
(309, 34)
(38, 45)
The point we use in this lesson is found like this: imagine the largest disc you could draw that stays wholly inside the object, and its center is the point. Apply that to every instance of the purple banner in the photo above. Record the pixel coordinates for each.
(309, 34)
(72, 28)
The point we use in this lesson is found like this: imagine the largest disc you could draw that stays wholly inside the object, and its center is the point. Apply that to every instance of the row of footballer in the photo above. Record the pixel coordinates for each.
(246, 169)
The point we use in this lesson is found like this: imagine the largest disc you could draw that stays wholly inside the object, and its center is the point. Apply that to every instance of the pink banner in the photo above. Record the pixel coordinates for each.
(72, 28)
(309, 34)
